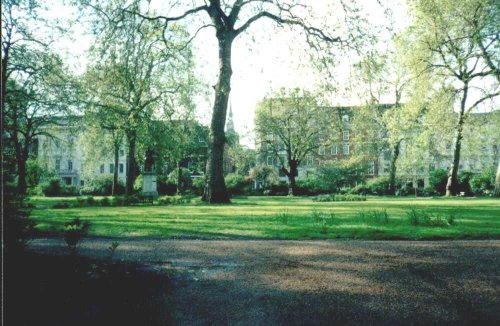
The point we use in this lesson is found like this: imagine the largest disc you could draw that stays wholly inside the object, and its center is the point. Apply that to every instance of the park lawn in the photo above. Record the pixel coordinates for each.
(280, 218)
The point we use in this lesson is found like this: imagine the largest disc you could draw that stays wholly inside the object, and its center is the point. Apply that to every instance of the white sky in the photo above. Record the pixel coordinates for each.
(264, 59)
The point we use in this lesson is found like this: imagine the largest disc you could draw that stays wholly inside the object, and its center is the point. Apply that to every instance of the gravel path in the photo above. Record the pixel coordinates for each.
(319, 282)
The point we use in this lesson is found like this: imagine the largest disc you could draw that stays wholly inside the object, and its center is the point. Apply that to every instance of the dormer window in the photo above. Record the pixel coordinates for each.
(345, 135)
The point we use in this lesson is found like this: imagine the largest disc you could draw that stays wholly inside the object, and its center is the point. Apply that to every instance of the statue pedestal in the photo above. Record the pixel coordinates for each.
(149, 188)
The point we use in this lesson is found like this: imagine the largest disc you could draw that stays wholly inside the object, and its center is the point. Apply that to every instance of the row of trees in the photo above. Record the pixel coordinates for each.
(439, 72)
(141, 70)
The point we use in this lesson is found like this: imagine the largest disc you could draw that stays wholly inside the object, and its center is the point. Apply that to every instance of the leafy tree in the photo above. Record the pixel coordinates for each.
(446, 37)
(291, 125)
(139, 67)
(231, 19)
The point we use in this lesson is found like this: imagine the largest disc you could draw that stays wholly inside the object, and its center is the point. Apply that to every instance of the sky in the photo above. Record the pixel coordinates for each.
(264, 59)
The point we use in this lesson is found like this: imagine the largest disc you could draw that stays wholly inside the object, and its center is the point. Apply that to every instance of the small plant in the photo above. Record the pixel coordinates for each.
(323, 198)
(81, 201)
(283, 217)
(374, 217)
(118, 201)
(323, 219)
(112, 248)
(105, 201)
(174, 200)
(73, 232)
(423, 218)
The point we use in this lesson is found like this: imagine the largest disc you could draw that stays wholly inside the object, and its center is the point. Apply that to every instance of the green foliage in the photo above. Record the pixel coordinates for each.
(198, 186)
(105, 201)
(174, 200)
(323, 220)
(283, 217)
(186, 181)
(373, 216)
(166, 187)
(238, 185)
(437, 180)
(52, 188)
(378, 186)
(483, 184)
(138, 183)
(334, 197)
(61, 205)
(423, 218)
(73, 233)
(101, 186)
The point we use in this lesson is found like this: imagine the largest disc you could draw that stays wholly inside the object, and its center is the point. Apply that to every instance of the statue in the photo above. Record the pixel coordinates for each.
(149, 161)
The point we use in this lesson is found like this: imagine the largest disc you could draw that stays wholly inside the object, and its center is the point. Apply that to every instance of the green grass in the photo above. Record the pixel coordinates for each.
(280, 218)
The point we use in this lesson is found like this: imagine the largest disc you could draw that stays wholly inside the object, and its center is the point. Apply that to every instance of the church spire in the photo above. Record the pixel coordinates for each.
(230, 122)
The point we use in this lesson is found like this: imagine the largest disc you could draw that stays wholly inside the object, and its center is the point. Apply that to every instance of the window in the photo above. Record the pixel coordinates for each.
(371, 168)
(121, 167)
(345, 149)
(122, 152)
(387, 155)
(102, 168)
(67, 181)
(345, 118)
(321, 150)
(310, 161)
(334, 150)
(345, 135)
(70, 165)
(111, 168)
(82, 182)
(58, 165)
(269, 160)
(387, 168)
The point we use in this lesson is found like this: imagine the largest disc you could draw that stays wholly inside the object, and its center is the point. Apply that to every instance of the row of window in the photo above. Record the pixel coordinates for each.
(112, 168)
(334, 150)
(69, 166)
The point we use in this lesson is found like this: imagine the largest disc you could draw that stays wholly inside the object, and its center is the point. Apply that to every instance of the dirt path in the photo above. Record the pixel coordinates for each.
(319, 282)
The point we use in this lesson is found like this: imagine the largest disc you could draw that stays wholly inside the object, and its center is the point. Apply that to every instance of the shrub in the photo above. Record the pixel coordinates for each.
(311, 186)
(198, 186)
(131, 200)
(90, 201)
(373, 217)
(323, 198)
(165, 187)
(437, 181)
(73, 232)
(101, 186)
(174, 200)
(237, 185)
(483, 184)
(378, 186)
(105, 201)
(186, 182)
(118, 201)
(278, 189)
(52, 188)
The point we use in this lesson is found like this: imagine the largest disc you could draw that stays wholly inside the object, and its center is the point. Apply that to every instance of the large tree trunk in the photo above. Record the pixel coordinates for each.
(451, 185)
(215, 188)
(292, 175)
(131, 163)
(497, 181)
(392, 174)
(115, 171)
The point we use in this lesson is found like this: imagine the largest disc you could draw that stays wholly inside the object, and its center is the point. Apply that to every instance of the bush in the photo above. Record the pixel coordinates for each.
(138, 183)
(165, 187)
(199, 186)
(237, 185)
(311, 186)
(329, 198)
(52, 188)
(101, 186)
(378, 186)
(73, 232)
(174, 200)
(277, 189)
(437, 181)
(483, 184)
(118, 201)
(105, 201)
(131, 200)
(186, 182)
